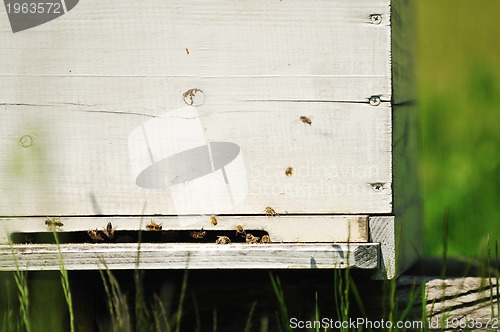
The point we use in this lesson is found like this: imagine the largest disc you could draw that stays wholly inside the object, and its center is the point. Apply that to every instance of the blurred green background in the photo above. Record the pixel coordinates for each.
(459, 100)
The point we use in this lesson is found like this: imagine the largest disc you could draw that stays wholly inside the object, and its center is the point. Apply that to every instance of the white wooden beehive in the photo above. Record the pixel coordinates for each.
(174, 111)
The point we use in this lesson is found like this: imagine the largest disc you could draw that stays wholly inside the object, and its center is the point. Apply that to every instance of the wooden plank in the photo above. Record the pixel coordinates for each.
(224, 38)
(182, 256)
(281, 229)
(407, 201)
(78, 162)
(77, 89)
(452, 303)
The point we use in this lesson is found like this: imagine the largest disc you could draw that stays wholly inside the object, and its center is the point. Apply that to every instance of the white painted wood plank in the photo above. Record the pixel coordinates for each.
(281, 229)
(78, 161)
(181, 256)
(147, 95)
(223, 37)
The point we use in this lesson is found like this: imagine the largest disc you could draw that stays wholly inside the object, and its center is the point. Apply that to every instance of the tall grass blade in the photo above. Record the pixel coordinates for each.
(65, 285)
(248, 324)
(160, 315)
(178, 316)
(278, 291)
(21, 279)
(117, 302)
(446, 229)
(316, 310)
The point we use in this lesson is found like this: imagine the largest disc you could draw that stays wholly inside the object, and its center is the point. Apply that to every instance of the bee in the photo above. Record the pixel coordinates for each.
(198, 235)
(213, 220)
(53, 223)
(109, 231)
(289, 171)
(250, 239)
(270, 212)
(190, 94)
(28, 239)
(94, 235)
(306, 120)
(152, 226)
(222, 240)
(240, 231)
(265, 239)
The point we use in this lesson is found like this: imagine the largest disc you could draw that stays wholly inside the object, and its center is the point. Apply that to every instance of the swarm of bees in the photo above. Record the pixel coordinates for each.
(270, 212)
(289, 171)
(222, 240)
(53, 223)
(109, 231)
(306, 120)
(213, 220)
(94, 235)
(198, 234)
(153, 226)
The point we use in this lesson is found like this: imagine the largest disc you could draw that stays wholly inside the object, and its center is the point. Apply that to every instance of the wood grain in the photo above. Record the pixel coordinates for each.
(80, 84)
(193, 256)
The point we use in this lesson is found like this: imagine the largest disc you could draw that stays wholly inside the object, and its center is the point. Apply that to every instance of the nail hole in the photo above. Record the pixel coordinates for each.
(289, 171)
(26, 141)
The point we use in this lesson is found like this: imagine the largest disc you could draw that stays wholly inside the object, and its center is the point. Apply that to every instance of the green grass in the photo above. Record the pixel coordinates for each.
(459, 98)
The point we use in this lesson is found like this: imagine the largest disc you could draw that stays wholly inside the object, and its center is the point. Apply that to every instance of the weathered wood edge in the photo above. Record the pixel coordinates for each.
(407, 203)
(188, 256)
(452, 303)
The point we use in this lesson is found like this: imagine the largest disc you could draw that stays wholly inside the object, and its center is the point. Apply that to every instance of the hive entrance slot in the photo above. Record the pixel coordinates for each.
(130, 236)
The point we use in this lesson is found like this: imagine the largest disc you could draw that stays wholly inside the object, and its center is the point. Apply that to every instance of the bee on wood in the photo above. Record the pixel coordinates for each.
(213, 220)
(250, 239)
(222, 240)
(265, 239)
(306, 120)
(198, 234)
(94, 235)
(289, 171)
(152, 226)
(109, 231)
(270, 212)
(53, 223)
(240, 231)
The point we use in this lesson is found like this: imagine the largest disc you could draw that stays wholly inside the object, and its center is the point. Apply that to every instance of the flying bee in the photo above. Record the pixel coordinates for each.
(305, 119)
(109, 231)
(270, 212)
(265, 239)
(240, 231)
(94, 235)
(213, 220)
(152, 226)
(198, 234)
(289, 171)
(222, 240)
(53, 223)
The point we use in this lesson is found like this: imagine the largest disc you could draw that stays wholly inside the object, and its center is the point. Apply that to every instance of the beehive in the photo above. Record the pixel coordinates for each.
(174, 111)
